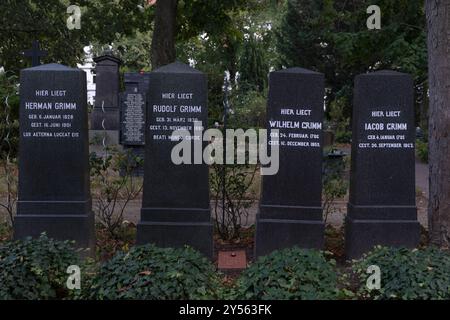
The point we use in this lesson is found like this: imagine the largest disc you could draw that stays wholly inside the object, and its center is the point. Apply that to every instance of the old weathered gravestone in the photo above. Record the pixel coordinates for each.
(175, 205)
(54, 194)
(382, 206)
(132, 116)
(290, 211)
(105, 117)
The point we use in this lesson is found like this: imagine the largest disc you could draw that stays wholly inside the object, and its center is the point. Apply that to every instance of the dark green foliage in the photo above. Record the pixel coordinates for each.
(152, 273)
(406, 274)
(422, 150)
(339, 121)
(211, 34)
(343, 137)
(210, 16)
(331, 36)
(306, 24)
(335, 185)
(253, 66)
(9, 116)
(249, 109)
(35, 268)
(120, 18)
(11, 131)
(132, 50)
(23, 21)
(290, 274)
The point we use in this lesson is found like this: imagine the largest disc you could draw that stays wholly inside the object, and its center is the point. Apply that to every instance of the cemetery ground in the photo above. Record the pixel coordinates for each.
(108, 245)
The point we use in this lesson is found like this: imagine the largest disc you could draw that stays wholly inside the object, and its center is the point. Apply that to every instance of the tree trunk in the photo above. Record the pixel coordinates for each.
(438, 18)
(163, 42)
(424, 109)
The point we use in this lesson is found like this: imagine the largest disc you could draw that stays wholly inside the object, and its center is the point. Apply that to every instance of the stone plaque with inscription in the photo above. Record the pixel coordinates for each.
(290, 212)
(382, 204)
(175, 205)
(54, 193)
(133, 118)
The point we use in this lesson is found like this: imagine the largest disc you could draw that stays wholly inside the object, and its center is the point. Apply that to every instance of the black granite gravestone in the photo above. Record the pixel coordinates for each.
(105, 116)
(54, 194)
(175, 204)
(290, 212)
(382, 205)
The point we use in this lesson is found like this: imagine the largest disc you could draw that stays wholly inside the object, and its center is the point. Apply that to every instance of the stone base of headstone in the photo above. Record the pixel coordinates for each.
(197, 235)
(362, 235)
(96, 137)
(78, 228)
(110, 119)
(274, 234)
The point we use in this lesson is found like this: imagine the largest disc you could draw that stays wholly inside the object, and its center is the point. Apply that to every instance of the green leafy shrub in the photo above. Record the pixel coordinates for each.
(290, 274)
(114, 185)
(406, 274)
(334, 184)
(339, 118)
(248, 109)
(422, 150)
(152, 273)
(35, 268)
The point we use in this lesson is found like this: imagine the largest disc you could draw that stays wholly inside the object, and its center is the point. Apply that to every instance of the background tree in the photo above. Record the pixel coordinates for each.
(213, 44)
(253, 66)
(132, 50)
(163, 42)
(439, 122)
(9, 137)
(22, 21)
(212, 18)
(331, 36)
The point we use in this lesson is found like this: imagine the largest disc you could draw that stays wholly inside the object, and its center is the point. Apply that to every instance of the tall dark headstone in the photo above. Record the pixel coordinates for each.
(175, 205)
(132, 116)
(105, 116)
(382, 204)
(54, 193)
(290, 212)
